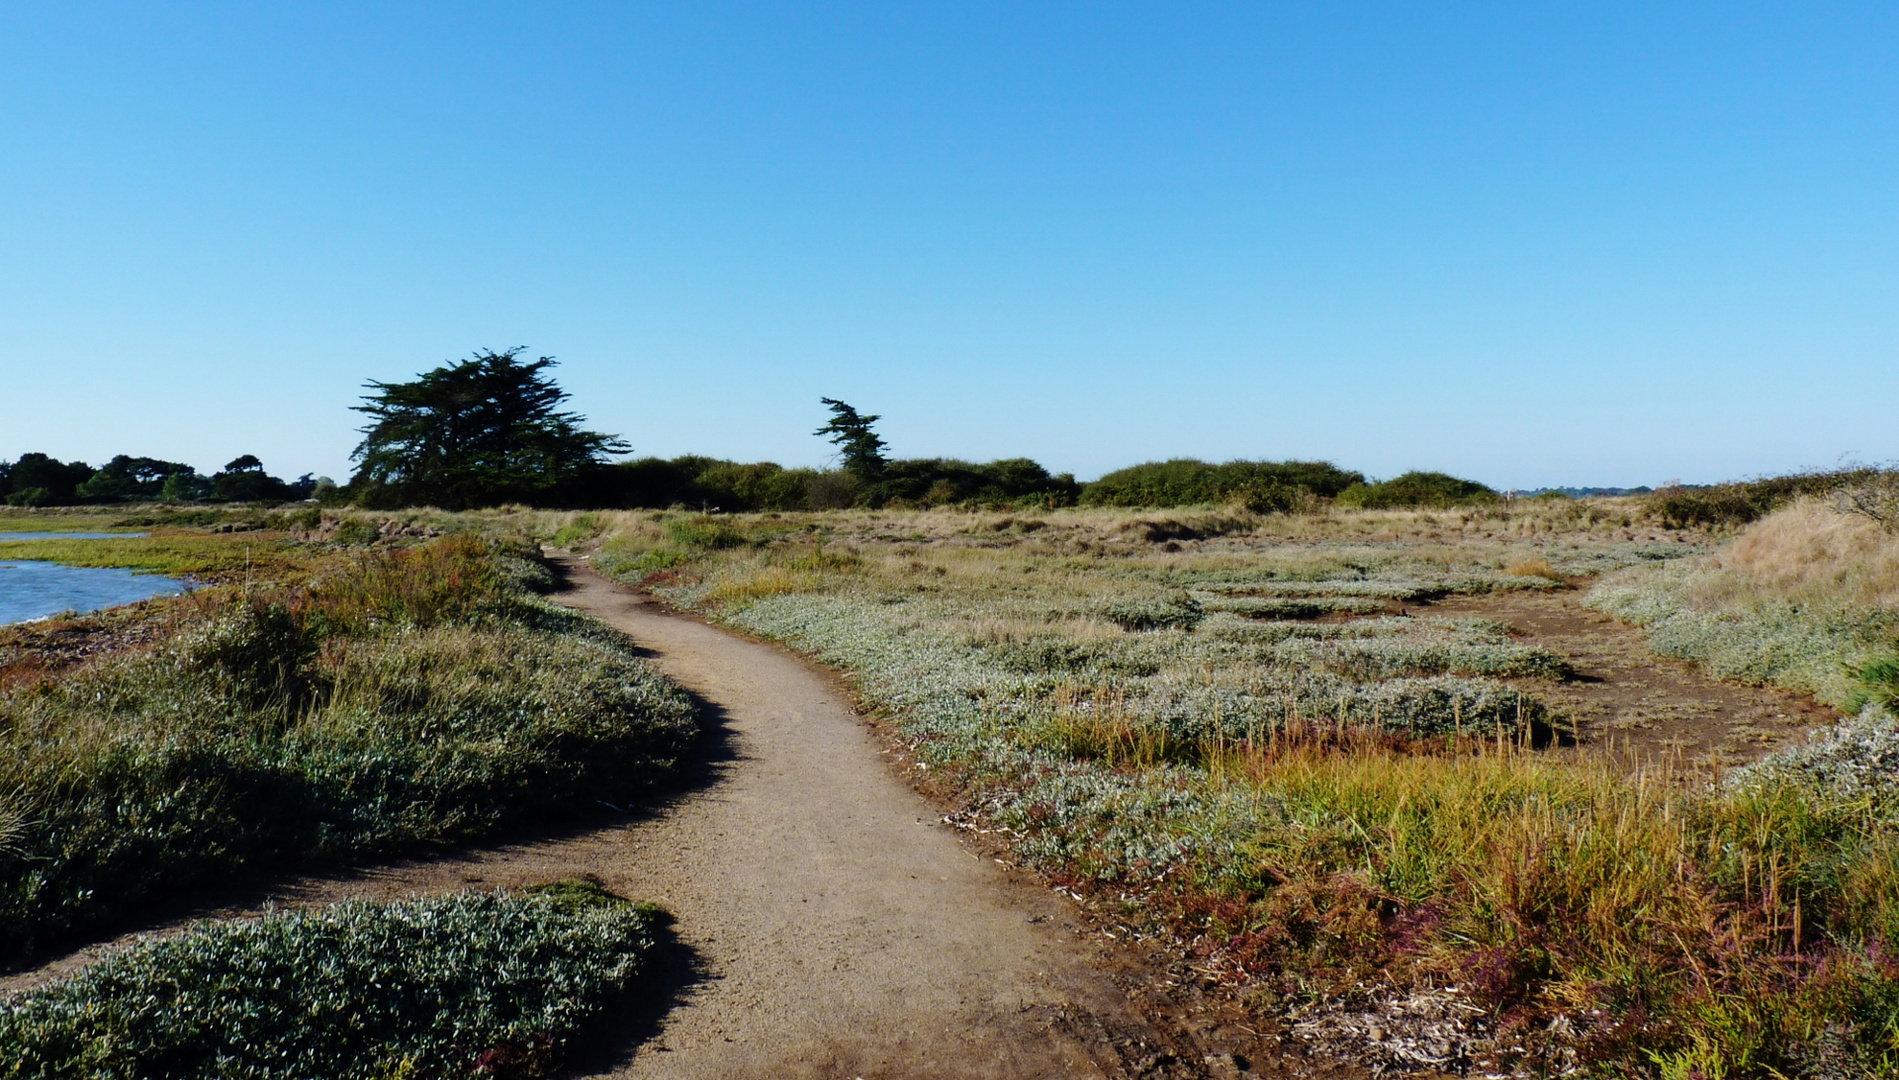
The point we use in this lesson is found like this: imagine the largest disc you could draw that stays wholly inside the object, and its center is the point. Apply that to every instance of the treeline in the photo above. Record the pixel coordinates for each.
(707, 483)
(42, 480)
(490, 430)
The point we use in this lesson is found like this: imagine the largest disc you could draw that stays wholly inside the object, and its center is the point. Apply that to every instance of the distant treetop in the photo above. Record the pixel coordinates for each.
(862, 449)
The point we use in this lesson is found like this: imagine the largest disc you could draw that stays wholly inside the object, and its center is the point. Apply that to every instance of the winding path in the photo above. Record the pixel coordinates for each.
(840, 928)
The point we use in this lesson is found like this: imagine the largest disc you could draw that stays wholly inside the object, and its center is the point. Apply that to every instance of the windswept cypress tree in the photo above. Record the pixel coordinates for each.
(475, 433)
(862, 448)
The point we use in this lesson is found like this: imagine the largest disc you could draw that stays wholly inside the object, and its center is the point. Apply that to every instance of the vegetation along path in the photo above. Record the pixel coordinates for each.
(842, 930)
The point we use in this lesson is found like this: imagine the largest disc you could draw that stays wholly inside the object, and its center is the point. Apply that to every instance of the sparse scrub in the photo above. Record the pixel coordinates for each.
(469, 985)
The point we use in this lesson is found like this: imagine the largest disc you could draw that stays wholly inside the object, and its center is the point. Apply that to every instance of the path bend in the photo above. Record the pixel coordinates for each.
(841, 929)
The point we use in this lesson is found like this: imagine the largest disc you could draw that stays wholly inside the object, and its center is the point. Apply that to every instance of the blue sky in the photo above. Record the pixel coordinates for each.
(1596, 244)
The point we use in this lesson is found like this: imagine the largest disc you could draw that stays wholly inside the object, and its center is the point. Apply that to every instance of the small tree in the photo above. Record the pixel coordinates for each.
(863, 451)
(475, 433)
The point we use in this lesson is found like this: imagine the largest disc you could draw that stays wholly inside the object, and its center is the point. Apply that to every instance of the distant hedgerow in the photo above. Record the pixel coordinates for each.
(1745, 501)
(1416, 489)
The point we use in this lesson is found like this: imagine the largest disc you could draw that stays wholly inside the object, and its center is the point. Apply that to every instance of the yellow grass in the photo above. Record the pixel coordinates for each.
(1533, 567)
(1810, 551)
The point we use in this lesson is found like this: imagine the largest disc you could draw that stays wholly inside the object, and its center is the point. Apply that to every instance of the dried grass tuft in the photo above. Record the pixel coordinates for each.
(1536, 566)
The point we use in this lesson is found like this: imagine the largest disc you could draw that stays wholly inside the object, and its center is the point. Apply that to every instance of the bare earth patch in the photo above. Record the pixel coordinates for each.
(1624, 698)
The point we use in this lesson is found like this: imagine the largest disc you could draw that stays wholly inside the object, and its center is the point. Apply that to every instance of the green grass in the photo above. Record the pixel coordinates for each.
(400, 699)
(209, 557)
(469, 985)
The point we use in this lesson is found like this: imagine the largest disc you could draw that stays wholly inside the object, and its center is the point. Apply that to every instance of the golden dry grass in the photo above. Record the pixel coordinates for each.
(1809, 551)
(1536, 566)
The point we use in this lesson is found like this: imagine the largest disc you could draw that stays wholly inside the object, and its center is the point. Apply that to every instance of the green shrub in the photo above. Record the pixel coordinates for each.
(33, 496)
(1416, 489)
(468, 985)
(356, 532)
(1176, 610)
(705, 533)
(713, 484)
(945, 481)
(1741, 502)
(1260, 485)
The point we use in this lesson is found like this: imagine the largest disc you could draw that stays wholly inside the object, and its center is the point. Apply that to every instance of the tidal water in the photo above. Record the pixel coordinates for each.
(34, 589)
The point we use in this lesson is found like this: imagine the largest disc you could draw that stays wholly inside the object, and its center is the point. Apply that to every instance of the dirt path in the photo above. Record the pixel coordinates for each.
(1625, 697)
(842, 929)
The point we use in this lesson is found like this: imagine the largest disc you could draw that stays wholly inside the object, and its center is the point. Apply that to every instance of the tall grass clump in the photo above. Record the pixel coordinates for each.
(408, 697)
(475, 984)
(1739, 931)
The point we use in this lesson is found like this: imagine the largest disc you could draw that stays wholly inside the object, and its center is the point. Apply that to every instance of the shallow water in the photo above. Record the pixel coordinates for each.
(9, 537)
(34, 590)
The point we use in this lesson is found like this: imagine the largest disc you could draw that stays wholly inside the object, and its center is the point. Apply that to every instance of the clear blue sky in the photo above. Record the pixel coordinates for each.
(1601, 244)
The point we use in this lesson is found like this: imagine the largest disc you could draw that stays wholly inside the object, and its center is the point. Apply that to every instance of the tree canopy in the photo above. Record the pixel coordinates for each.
(474, 433)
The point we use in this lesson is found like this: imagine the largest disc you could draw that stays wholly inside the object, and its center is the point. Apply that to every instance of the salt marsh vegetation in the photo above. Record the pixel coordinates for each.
(353, 991)
(342, 689)
(367, 702)
(1250, 737)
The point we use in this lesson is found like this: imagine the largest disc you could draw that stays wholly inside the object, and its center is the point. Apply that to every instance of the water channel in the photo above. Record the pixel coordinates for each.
(34, 589)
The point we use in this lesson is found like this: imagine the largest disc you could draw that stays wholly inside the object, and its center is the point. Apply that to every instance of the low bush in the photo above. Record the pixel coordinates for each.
(1434, 490)
(1261, 486)
(470, 985)
(414, 697)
